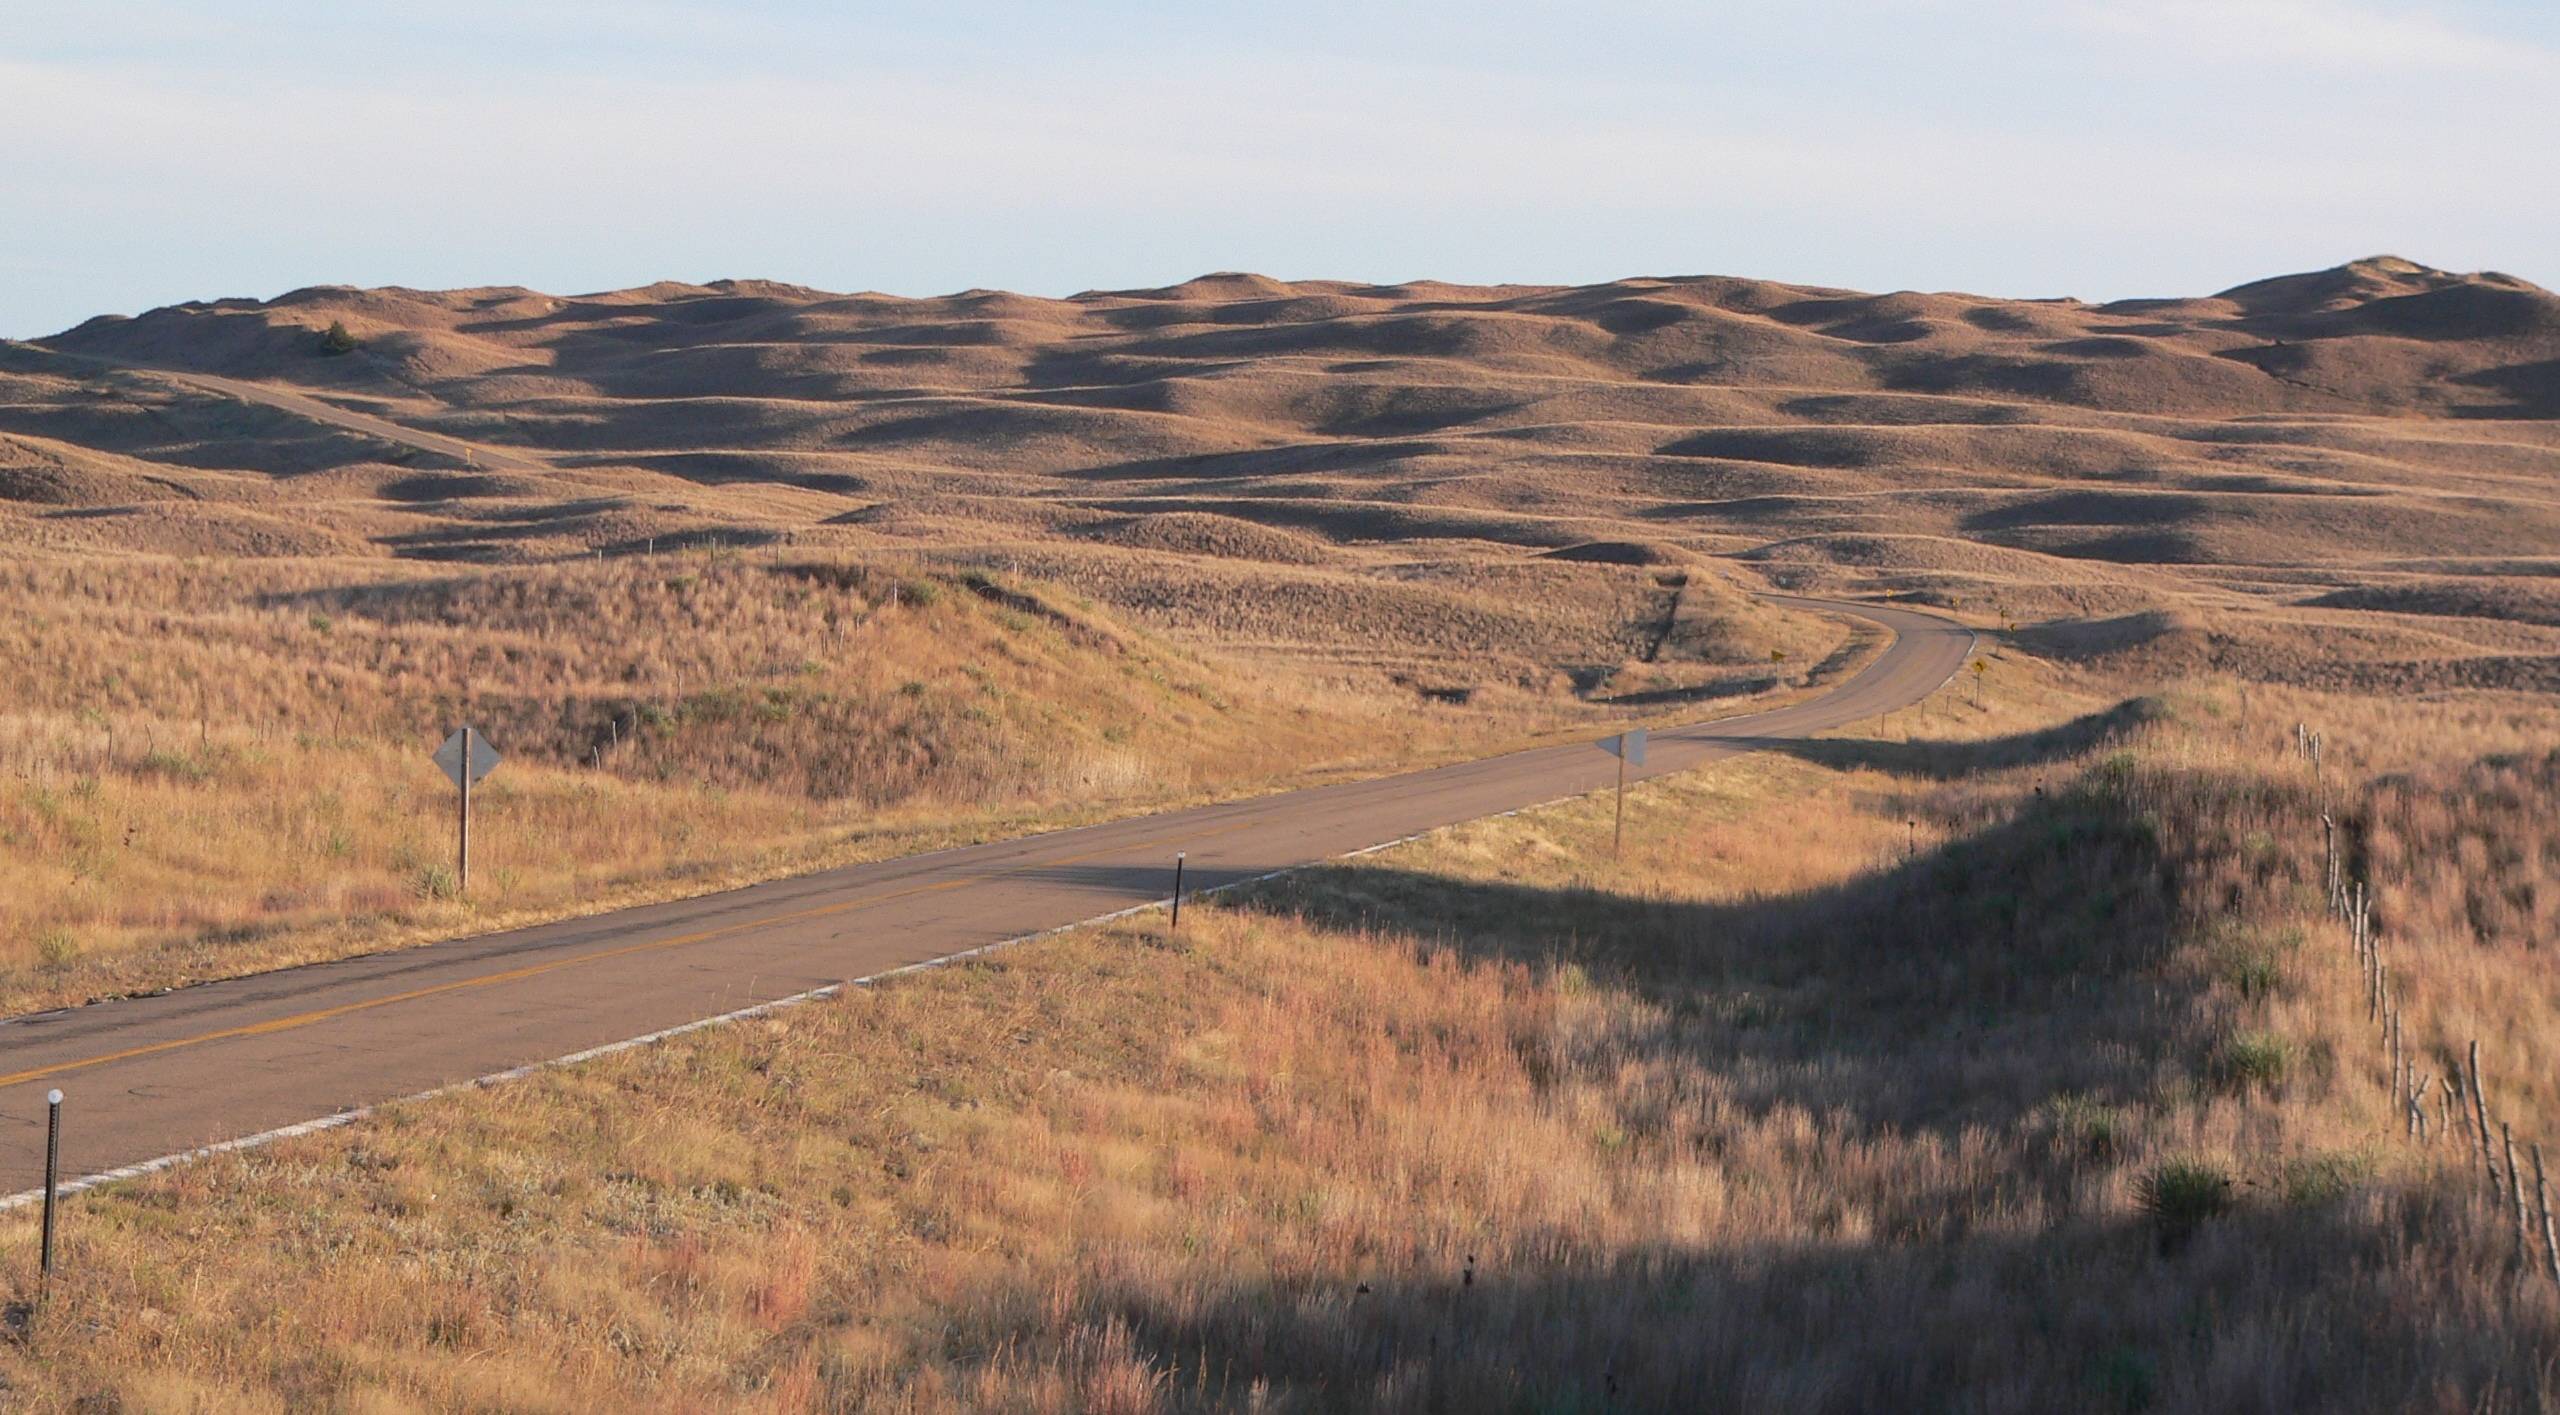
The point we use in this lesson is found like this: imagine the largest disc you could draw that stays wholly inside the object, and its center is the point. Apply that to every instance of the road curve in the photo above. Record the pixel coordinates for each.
(154, 1077)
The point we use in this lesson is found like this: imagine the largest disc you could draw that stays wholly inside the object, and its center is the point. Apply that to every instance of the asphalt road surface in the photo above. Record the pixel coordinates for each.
(151, 1077)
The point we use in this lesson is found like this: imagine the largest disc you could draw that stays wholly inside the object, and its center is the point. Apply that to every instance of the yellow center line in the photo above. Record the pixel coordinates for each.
(535, 970)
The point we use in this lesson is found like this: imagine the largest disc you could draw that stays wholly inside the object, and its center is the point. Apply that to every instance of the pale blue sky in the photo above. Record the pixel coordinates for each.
(158, 151)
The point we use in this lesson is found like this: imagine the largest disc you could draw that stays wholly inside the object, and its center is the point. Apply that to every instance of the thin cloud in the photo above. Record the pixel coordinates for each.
(2104, 160)
(2326, 33)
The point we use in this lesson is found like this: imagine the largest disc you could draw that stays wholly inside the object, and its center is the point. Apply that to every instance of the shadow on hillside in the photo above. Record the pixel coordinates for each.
(1217, 471)
(1971, 985)
(1691, 693)
(2303, 1310)
(2532, 390)
(1886, 1053)
(1946, 759)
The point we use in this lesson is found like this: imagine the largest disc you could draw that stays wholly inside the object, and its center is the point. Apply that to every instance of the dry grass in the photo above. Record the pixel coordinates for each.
(2339, 479)
(2011, 1068)
(207, 768)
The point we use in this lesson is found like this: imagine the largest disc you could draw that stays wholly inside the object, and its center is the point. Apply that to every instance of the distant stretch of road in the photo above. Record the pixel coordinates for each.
(153, 1077)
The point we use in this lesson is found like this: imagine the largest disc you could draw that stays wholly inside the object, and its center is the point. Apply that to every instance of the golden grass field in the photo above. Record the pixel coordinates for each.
(652, 533)
(2014, 1067)
(208, 768)
(2006, 1061)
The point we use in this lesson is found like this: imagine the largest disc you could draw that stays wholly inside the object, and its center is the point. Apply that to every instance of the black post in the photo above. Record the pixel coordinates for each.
(52, 1170)
(462, 824)
(1177, 888)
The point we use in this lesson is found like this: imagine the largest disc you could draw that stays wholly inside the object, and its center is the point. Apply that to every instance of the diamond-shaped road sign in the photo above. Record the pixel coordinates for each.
(1626, 744)
(484, 758)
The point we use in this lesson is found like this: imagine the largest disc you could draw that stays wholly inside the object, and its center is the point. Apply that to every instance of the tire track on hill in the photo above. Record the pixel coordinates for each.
(316, 409)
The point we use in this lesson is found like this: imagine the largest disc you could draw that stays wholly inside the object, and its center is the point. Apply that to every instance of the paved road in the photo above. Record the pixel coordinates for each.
(148, 1077)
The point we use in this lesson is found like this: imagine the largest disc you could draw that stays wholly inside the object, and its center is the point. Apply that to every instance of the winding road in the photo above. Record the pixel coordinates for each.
(152, 1080)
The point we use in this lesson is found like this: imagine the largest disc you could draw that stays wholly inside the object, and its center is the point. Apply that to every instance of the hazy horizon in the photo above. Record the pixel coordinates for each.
(2074, 149)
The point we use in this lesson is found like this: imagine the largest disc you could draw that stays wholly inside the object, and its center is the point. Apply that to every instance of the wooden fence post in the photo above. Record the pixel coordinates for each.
(2515, 1193)
(2333, 880)
(2399, 1086)
(2480, 1119)
(2550, 1236)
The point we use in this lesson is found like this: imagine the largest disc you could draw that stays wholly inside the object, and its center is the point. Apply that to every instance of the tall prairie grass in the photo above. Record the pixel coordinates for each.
(2013, 1068)
(212, 767)
(207, 768)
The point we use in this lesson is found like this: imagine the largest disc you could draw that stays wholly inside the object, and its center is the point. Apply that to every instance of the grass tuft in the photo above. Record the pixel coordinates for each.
(2179, 1195)
(437, 882)
(2308, 1181)
(2253, 1061)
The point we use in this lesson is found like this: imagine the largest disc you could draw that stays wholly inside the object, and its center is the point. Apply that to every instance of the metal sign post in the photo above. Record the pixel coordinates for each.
(52, 1173)
(466, 756)
(1626, 747)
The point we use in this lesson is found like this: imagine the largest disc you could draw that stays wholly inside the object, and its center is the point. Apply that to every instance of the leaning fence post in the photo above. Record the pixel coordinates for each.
(2480, 1118)
(2515, 1192)
(2399, 1083)
(2550, 1235)
(2329, 855)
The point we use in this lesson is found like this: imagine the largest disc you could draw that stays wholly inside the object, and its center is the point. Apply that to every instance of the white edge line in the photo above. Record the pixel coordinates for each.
(744, 1014)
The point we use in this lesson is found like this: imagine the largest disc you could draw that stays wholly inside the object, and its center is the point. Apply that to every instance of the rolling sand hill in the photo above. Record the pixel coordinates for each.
(1459, 485)
(2002, 1056)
